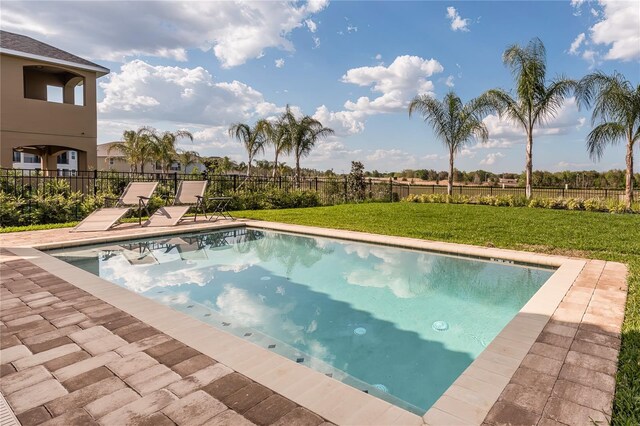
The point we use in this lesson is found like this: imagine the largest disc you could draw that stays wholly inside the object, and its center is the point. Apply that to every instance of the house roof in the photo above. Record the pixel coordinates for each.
(103, 150)
(27, 47)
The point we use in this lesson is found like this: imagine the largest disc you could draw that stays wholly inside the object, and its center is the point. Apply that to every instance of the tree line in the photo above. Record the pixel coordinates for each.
(533, 101)
(610, 179)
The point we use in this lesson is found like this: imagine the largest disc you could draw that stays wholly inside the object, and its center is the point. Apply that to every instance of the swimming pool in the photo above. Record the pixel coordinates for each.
(399, 324)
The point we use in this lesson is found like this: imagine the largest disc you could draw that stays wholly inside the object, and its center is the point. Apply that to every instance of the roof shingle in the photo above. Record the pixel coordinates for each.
(21, 43)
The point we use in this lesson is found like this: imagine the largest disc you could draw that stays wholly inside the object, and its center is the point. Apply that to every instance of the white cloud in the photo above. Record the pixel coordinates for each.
(619, 29)
(565, 165)
(316, 42)
(617, 34)
(575, 45)
(313, 27)
(396, 84)
(491, 158)
(503, 133)
(343, 122)
(234, 31)
(179, 95)
(378, 57)
(406, 77)
(352, 29)
(279, 63)
(449, 81)
(576, 4)
(457, 23)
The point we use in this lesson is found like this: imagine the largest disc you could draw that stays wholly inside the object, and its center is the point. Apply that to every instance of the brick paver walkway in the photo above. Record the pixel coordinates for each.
(68, 358)
(568, 376)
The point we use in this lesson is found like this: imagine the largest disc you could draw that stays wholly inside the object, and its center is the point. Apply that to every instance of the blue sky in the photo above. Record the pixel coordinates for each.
(354, 65)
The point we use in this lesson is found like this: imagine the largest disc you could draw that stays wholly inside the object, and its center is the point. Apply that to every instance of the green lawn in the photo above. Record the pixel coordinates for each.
(591, 235)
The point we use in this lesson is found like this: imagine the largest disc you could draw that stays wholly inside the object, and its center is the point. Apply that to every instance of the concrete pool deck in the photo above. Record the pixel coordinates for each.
(554, 363)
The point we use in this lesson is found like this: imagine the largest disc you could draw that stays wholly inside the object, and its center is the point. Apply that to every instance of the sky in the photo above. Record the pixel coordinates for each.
(353, 65)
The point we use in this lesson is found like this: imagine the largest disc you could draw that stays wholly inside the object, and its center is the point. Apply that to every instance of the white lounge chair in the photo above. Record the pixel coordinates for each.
(136, 194)
(190, 194)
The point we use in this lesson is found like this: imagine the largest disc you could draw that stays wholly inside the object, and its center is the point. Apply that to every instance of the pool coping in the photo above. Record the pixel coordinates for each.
(334, 400)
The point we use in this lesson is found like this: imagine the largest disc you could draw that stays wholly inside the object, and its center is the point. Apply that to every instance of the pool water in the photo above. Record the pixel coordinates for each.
(399, 324)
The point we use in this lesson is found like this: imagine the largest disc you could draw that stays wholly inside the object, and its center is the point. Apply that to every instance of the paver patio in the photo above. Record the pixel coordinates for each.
(100, 365)
(70, 358)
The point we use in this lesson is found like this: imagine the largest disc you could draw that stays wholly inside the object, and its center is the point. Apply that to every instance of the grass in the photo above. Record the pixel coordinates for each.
(592, 235)
(8, 229)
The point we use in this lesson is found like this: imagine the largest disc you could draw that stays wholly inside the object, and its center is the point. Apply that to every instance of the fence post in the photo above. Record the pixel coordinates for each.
(279, 182)
(175, 183)
(316, 183)
(605, 194)
(235, 183)
(95, 182)
(391, 190)
(491, 190)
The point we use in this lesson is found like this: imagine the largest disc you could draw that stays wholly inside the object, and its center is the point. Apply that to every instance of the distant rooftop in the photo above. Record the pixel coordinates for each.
(103, 150)
(20, 45)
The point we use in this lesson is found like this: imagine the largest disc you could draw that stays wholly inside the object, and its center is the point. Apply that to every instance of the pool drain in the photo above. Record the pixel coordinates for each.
(360, 331)
(381, 387)
(440, 326)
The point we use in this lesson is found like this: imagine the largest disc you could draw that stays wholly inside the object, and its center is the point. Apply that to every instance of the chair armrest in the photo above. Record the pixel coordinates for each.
(142, 197)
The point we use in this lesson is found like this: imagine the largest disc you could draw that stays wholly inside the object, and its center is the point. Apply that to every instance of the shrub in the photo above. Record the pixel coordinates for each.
(594, 205)
(575, 204)
(591, 204)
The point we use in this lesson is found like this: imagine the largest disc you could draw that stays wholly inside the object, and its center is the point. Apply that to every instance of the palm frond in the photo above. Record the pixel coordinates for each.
(603, 135)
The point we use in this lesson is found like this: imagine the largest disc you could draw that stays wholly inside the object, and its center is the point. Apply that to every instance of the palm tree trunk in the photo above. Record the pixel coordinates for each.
(529, 165)
(298, 171)
(275, 165)
(249, 166)
(629, 177)
(450, 180)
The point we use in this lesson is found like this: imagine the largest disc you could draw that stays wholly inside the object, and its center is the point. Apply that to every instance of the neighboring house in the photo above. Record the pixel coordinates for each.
(48, 102)
(67, 162)
(112, 159)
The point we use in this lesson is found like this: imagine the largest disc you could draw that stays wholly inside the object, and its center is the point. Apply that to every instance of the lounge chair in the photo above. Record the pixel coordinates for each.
(190, 194)
(136, 194)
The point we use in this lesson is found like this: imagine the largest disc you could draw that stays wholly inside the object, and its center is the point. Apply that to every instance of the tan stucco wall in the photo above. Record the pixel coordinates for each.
(25, 122)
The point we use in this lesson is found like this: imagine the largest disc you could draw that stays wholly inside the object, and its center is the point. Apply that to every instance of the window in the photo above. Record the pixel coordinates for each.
(158, 165)
(54, 94)
(112, 161)
(17, 157)
(73, 155)
(31, 159)
(63, 158)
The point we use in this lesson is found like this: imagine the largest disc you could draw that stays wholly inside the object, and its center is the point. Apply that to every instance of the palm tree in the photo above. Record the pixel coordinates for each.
(135, 147)
(535, 101)
(276, 136)
(302, 135)
(187, 158)
(253, 139)
(164, 146)
(453, 122)
(616, 109)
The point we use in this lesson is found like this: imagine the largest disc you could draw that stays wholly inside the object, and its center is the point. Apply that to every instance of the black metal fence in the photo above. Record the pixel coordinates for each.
(28, 184)
(331, 190)
(616, 194)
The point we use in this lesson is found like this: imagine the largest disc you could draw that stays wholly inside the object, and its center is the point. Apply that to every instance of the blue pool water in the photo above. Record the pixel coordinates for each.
(399, 324)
